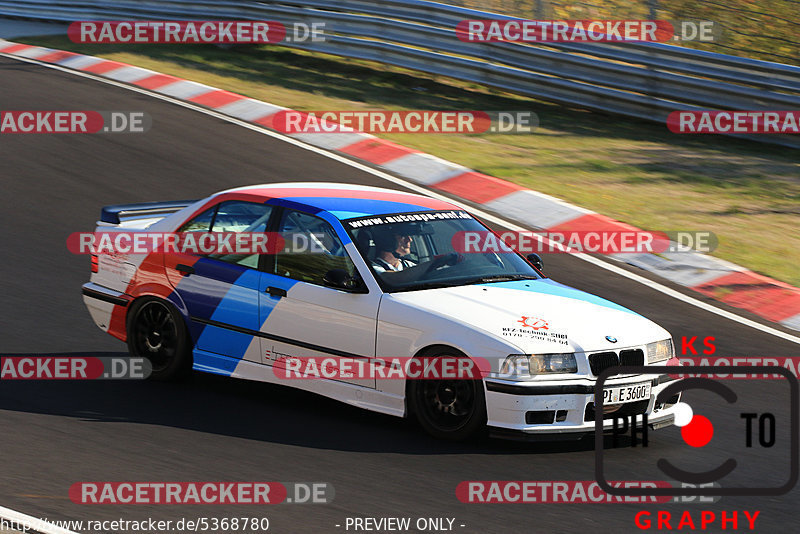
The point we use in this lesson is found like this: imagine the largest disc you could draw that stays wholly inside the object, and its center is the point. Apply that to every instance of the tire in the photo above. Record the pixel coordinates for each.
(157, 332)
(453, 410)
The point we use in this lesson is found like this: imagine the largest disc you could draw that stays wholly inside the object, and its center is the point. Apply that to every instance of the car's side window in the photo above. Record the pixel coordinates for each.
(232, 216)
(201, 223)
(241, 216)
(312, 249)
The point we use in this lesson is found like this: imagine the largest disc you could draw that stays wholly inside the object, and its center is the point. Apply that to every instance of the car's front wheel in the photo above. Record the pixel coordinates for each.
(156, 332)
(453, 409)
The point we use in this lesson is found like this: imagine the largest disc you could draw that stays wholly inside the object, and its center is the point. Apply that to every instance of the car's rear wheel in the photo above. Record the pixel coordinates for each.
(156, 331)
(453, 409)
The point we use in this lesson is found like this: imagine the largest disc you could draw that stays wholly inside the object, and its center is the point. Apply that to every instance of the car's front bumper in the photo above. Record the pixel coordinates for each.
(520, 409)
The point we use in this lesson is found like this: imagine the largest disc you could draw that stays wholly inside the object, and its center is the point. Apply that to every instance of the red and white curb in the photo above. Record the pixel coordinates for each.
(719, 279)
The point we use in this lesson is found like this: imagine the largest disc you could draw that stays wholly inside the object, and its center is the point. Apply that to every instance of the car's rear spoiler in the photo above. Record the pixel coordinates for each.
(117, 213)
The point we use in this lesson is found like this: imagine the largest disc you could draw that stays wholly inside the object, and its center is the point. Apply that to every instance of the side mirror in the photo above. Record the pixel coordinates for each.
(536, 261)
(341, 279)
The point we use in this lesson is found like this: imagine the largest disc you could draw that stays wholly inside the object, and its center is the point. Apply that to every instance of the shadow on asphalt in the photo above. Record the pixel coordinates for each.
(247, 409)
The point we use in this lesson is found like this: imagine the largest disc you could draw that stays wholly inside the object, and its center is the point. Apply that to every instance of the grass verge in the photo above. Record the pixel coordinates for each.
(637, 172)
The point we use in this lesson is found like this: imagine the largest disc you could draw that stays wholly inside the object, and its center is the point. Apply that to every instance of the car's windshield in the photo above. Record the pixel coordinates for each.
(429, 249)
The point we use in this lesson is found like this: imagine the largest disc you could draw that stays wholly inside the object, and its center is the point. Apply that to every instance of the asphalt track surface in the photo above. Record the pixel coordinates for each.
(210, 428)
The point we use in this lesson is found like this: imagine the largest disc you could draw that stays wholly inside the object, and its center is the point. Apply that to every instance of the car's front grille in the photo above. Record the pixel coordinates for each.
(600, 361)
(631, 357)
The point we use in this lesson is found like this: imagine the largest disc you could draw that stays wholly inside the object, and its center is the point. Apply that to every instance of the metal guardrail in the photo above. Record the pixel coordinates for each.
(635, 79)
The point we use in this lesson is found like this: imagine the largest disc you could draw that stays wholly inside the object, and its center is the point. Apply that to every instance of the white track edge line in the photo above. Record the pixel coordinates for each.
(409, 185)
(48, 528)
(31, 522)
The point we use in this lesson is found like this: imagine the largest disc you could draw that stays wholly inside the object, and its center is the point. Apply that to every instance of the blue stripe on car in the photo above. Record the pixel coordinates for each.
(239, 307)
(349, 207)
(546, 286)
(245, 298)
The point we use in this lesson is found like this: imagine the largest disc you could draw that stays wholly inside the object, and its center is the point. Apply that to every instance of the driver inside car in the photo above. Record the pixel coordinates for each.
(392, 247)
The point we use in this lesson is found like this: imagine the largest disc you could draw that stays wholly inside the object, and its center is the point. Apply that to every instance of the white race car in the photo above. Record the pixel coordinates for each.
(380, 278)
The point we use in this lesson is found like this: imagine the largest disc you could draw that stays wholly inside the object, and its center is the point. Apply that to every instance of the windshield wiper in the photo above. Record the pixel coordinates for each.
(428, 285)
(501, 278)
(456, 283)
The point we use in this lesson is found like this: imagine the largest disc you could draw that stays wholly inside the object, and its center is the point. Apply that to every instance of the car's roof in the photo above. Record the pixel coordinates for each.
(343, 201)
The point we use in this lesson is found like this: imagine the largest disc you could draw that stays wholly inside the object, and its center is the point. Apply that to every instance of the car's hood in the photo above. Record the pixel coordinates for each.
(539, 315)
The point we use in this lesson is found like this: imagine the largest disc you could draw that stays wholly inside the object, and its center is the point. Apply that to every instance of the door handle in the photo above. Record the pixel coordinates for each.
(185, 269)
(276, 291)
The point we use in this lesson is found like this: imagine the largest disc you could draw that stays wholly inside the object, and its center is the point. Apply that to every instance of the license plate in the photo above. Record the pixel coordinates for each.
(626, 393)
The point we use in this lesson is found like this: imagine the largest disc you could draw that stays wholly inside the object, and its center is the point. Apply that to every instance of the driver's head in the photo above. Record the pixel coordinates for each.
(395, 240)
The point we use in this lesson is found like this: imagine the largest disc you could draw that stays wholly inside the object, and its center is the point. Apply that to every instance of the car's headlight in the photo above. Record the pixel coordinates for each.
(528, 365)
(660, 351)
